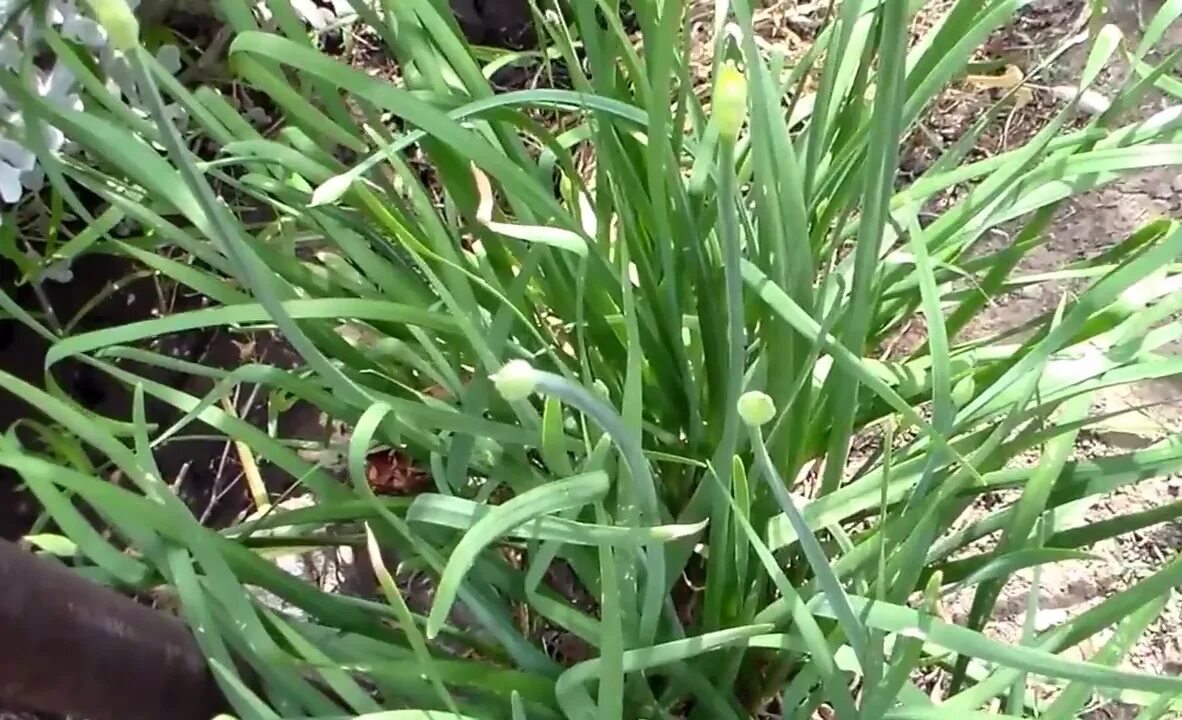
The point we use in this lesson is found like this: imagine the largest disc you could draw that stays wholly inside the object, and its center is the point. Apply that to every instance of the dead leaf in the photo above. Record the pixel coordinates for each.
(437, 391)
(390, 472)
(1023, 96)
(1011, 78)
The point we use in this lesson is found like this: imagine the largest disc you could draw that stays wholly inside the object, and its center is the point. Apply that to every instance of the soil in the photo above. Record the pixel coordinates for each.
(204, 471)
(22, 353)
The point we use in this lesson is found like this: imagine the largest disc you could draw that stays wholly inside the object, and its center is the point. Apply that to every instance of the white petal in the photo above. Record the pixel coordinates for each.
(29, 29)
(85, 31)
(170, 57)
(257, 116)
(119, 71)
(59, 272)
(125, 227)
(17, 155)
(10, 183)
(177, 114)
(33, 180)
(308, 10)
(54, 138)
(59, 83)
(10, 51)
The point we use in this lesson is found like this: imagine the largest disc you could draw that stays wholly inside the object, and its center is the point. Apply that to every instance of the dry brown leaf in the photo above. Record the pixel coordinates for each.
(1011, 78)
(390, 472)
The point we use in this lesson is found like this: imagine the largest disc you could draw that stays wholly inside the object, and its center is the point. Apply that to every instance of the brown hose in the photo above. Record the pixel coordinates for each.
(71, 646)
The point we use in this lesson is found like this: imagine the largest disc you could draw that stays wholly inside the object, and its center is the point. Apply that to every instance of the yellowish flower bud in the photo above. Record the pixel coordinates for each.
(729, 106)
(516, 380)
(120, 22)
(756, 408)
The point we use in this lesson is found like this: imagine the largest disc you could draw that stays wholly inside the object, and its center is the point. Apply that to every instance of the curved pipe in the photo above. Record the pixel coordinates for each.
(73, 647)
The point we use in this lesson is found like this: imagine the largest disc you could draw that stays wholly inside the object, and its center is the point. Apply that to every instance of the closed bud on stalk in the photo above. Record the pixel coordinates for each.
(729, 106)
(756, 408)
(516, 380)
(932, 592)
(963, 391)
(117, 18)
(600, 388)
(331, 190)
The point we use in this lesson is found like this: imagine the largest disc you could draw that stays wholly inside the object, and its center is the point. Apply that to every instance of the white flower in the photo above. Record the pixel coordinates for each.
(18, 163)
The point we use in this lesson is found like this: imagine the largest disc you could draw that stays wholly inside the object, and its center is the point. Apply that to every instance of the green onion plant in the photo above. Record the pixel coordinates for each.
(633, 329)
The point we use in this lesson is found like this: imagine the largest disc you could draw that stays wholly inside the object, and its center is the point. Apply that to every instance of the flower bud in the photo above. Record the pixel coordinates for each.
(756, 408)
(963, 391)
(516, 380)
(729, 106)
(331, 190)
(123, 29)
(600, 388)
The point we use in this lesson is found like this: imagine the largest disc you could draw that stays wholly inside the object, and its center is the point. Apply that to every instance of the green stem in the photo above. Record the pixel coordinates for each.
(632, 453)
(826, 578)
(728, 231)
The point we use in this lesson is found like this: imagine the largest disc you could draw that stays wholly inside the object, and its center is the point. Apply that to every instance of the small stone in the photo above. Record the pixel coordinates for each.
(1048, 618)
